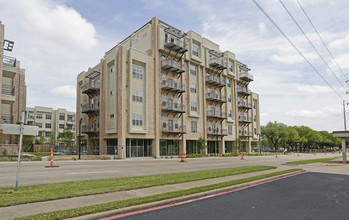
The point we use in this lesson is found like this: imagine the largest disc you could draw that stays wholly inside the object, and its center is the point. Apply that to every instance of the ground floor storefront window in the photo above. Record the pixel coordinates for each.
(169, 147)
(112, 146)
(192, 148)
(229, 147)
(138, 148)
(96, 147)
(212, 147)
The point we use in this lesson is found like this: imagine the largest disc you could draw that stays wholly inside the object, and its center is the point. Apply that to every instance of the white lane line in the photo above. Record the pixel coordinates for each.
(96, 172)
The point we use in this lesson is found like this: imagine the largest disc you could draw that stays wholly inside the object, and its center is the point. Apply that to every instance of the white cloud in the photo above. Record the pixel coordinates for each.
(322, 113)
(314, 89)
(56, 22)
(262, 28)
(68, 91)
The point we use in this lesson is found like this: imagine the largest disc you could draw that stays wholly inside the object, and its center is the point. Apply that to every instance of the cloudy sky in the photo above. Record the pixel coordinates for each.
(57, 39)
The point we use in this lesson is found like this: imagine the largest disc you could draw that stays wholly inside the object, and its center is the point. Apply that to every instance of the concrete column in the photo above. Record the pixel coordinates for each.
(344, 151)
(222, 147)
(102, 146)
(183, 145)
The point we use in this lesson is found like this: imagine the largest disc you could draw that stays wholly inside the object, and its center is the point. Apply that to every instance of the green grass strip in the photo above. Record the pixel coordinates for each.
(46, 192)
(300, 162)
(148, 199)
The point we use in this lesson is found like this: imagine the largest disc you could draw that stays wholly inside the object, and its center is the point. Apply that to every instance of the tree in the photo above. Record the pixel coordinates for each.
(201, 143)
(52, 139)
(41, 140)
(275, 133)
(67, 137)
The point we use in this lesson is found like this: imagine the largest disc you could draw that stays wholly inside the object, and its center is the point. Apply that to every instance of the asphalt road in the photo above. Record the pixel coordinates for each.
(305, 196)
(35, 172)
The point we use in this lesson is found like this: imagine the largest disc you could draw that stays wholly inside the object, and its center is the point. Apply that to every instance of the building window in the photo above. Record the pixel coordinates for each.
(39, 116)
(229, 112)
(164, 122)
(192, 88)
(176, 123)
(111, 115)
(112, 92)
(40, 133)
(48, 116)
(47, 134)
(230, 67)
(70, 127)
(39, 125)
(137, 119)
(193, 127)
(163, 100)
(137, 96)
(48, 125)
(193, 106)
(254, 118)
(61, 126)
(112, 69)
(195, 50)
(61, 117)
(209, 126)
(254, 105)
(192, 70)
(229, 98)
(137, 72)
(255, 131)
(230, 129)
(228, 82)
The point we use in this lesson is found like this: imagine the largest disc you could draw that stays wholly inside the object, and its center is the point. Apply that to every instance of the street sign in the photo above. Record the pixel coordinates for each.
(15, 129)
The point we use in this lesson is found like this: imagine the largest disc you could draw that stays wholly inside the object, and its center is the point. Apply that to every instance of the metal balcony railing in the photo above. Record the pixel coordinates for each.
(89, 108)
(8, 90)
(90, 87)
(217, 63)
(176, 45)
(216, 98)
(245, 119)
(213, 114)
(172, 65)
(9, 61)
(174, 87)
(245, 134)
(246, 76)
(245, 105)
(89, 130)
(7, 119)
(214, 132)
(214, 80)
(244, 90)
(181, 129)
(172, 107)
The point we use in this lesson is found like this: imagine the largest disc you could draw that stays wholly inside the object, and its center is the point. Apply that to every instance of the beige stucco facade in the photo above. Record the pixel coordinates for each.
(13, 90)
(161, 89)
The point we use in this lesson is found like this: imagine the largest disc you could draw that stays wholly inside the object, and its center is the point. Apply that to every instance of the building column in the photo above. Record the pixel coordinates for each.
(102, 146)
(344, 151)
(222, 147)
(182, 146)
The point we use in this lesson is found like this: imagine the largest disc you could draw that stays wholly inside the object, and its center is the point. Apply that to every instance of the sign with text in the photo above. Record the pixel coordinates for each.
(15, 129)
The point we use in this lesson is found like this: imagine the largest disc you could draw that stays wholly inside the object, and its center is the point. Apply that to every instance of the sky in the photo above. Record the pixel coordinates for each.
(55, 40)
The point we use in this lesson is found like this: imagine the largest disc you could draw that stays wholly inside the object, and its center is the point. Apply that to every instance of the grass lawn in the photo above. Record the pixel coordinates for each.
(300, 162)
(137, 201)
(45, 192)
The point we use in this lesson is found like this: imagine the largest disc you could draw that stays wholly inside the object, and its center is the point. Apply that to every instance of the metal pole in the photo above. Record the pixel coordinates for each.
(217, 149)
(80, 121)
(345, 120)
(19, 149)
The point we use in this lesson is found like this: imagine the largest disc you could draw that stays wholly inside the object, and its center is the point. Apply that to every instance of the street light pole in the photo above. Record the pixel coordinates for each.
(80, 122)
(217, 143)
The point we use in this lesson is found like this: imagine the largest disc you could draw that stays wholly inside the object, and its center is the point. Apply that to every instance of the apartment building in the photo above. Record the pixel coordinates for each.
(12, 86)
(161, 89)
(50, 121)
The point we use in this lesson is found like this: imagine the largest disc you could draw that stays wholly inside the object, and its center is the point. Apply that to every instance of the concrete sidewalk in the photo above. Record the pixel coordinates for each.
(64, 204)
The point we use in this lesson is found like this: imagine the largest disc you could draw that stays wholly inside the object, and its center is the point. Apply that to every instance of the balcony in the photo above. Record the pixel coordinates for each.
(90, 88)
(173, 87)
(246, 76)
(217, 63)
(245, 119)
(244, 91)
(220, 132)
(90, 131)
(216, 81)
(245, 134)
(90, 109)
(215, 98)
(9, 61)
(170, 129)
(172, 65)
(244, 105)
(176, 45)
(8, 94)
(217, 115)
(172, 107)
(7, 119)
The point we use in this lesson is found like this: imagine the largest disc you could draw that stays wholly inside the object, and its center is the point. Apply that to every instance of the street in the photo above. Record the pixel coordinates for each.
(35, 172)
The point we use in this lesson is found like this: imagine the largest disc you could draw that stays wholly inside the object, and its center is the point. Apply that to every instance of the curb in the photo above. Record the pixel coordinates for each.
(176, 200)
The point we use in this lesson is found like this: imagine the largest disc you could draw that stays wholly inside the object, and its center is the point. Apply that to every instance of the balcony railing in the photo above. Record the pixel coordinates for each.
(244, 105)
(89, 88)
(89, 130)
(219, 115)
(176, 45)
(9, 61)
(89, 108)
(217, 63)
(174, 87)
(244, 90)
(220, 132)
(172, 65)
(245, 119)
(216, 98)
(246, 76)
(7, 119)
(245, 134)
(172, 107)
(8, 90)
(173, 129)
(214, 80)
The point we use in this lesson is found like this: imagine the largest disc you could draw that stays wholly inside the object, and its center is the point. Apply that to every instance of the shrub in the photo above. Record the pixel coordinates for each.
(4, 152)
(74, 158)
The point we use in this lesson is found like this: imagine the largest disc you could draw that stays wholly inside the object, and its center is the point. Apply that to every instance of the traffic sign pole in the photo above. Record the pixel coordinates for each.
(19, 149)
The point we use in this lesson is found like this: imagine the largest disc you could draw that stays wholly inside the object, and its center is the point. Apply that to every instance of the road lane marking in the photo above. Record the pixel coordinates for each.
(95, 172)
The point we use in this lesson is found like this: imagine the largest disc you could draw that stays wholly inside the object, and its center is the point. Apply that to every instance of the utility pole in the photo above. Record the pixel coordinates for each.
(20, 148)
(345, 120)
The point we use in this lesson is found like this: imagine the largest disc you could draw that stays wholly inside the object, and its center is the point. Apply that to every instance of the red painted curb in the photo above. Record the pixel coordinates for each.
(198, 199)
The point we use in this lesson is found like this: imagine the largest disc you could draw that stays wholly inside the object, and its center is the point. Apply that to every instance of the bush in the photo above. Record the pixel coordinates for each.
(194, 155)
(4, 152)
(74, 158)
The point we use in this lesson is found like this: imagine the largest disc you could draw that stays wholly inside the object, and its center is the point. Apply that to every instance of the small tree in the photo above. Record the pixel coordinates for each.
(41, 140)
(201, 144)
(67, 138)
(52, 139)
